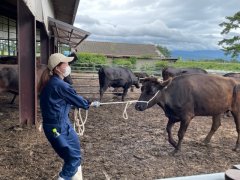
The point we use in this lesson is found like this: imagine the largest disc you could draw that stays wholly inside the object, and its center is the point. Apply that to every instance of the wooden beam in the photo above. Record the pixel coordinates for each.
(27, 64)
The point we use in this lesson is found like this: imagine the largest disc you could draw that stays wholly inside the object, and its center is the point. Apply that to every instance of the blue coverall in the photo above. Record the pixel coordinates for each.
(56, 99)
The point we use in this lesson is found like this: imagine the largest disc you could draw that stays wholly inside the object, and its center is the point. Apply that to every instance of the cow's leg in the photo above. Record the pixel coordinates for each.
(216, 123)
(102, 90)
(181, 132)
(169, 131)
(13, 99)
(125, 90)
(236, 116)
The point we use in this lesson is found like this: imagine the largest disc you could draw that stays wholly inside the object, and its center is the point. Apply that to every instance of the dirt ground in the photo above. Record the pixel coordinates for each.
(136, 148)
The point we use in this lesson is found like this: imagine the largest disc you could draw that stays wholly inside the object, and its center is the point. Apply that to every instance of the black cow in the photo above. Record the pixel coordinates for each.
(173, 72)
(233, 75)
(141, 75)
(184, 97)
(116, 77)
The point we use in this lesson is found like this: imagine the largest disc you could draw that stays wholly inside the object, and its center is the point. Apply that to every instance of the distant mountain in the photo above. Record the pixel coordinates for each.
(201, 55)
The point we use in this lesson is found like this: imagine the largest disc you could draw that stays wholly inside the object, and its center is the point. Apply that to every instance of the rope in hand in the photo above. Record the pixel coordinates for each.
(80, 127)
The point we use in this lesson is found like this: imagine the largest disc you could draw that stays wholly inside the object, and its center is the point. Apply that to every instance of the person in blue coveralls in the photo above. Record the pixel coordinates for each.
(56, 98)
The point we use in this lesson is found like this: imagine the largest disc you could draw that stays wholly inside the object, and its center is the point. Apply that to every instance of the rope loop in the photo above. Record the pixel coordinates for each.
(79, 123)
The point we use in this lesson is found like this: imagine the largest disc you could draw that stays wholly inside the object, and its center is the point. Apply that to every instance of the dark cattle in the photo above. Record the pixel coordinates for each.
(233, 75)
(184, 97)
(116, 77)
(141, 75)
(173, 72)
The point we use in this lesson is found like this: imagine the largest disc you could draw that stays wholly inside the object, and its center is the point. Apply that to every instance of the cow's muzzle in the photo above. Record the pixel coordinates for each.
(140, 106)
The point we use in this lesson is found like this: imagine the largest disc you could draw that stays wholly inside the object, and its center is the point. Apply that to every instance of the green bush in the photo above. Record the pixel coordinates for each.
(125, 62)
(91, 58)
(161, 64)
(90, 61)
(133, 60)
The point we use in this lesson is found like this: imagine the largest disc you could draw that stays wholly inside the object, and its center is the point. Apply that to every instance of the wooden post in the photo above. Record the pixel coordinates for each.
(27, 64)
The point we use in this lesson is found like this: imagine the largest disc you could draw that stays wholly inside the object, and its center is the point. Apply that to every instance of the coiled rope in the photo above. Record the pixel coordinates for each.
(79, 123)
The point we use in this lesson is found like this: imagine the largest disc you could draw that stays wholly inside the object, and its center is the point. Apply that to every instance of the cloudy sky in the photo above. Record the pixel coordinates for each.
(175, 24)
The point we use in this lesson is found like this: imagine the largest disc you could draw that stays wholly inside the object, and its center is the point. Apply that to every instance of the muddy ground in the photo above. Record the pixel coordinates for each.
(115, 148)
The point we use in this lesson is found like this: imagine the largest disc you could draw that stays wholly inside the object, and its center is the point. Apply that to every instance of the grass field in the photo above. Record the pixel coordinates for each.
(213, 65)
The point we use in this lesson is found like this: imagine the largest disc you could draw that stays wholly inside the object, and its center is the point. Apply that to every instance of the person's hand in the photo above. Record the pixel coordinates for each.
(95, 104)
(89, 101)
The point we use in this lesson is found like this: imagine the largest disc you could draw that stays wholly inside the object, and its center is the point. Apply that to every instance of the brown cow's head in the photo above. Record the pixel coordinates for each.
(151, 91)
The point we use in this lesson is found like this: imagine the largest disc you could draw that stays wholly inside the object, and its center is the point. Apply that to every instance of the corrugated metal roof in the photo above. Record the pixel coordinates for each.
(66, 33)
(120, 49)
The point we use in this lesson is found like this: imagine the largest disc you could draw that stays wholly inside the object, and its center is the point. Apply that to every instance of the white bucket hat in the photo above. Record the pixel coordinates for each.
(57, 58)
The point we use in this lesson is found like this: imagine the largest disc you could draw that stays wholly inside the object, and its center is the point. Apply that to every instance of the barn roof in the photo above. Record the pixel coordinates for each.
(65, 10)
(66, 33)
(120, 49)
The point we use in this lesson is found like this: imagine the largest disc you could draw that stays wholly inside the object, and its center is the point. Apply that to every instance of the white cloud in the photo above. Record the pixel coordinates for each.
(178, 25)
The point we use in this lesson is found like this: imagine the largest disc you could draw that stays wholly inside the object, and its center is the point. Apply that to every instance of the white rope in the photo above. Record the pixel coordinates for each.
(80, 128)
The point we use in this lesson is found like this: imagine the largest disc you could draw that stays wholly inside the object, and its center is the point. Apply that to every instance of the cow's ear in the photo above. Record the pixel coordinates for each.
(166, 83)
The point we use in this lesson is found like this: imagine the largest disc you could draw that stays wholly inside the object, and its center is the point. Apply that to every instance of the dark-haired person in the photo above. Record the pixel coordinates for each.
(56, 98)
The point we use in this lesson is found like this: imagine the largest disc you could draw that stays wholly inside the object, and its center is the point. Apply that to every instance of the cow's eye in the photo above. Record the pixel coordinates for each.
(152, 90)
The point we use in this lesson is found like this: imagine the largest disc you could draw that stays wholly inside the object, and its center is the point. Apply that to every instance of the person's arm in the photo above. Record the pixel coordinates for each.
(70, 95)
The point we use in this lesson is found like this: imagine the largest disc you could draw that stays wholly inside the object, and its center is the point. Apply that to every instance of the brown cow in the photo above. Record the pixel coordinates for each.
(9, 75)
(236, 76)
(184, 97)
(9, 78)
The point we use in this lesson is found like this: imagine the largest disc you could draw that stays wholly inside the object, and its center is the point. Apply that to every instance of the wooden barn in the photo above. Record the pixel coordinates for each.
(146, 53)
(28, 26)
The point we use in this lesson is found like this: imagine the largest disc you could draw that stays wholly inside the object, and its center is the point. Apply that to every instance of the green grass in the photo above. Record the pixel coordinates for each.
(213, 65)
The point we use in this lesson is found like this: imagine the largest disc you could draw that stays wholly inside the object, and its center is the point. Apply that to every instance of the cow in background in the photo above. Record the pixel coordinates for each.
(141, 75)
(9, 80)
(235, 76)
(116, 77)
(9, 77)
(168, 72)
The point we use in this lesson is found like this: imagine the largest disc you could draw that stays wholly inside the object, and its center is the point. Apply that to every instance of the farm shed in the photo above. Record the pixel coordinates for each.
(26, 25)
(147, 53)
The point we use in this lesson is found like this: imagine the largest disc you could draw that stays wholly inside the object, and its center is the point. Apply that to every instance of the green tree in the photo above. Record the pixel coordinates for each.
(231, 46)
(164, 51)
